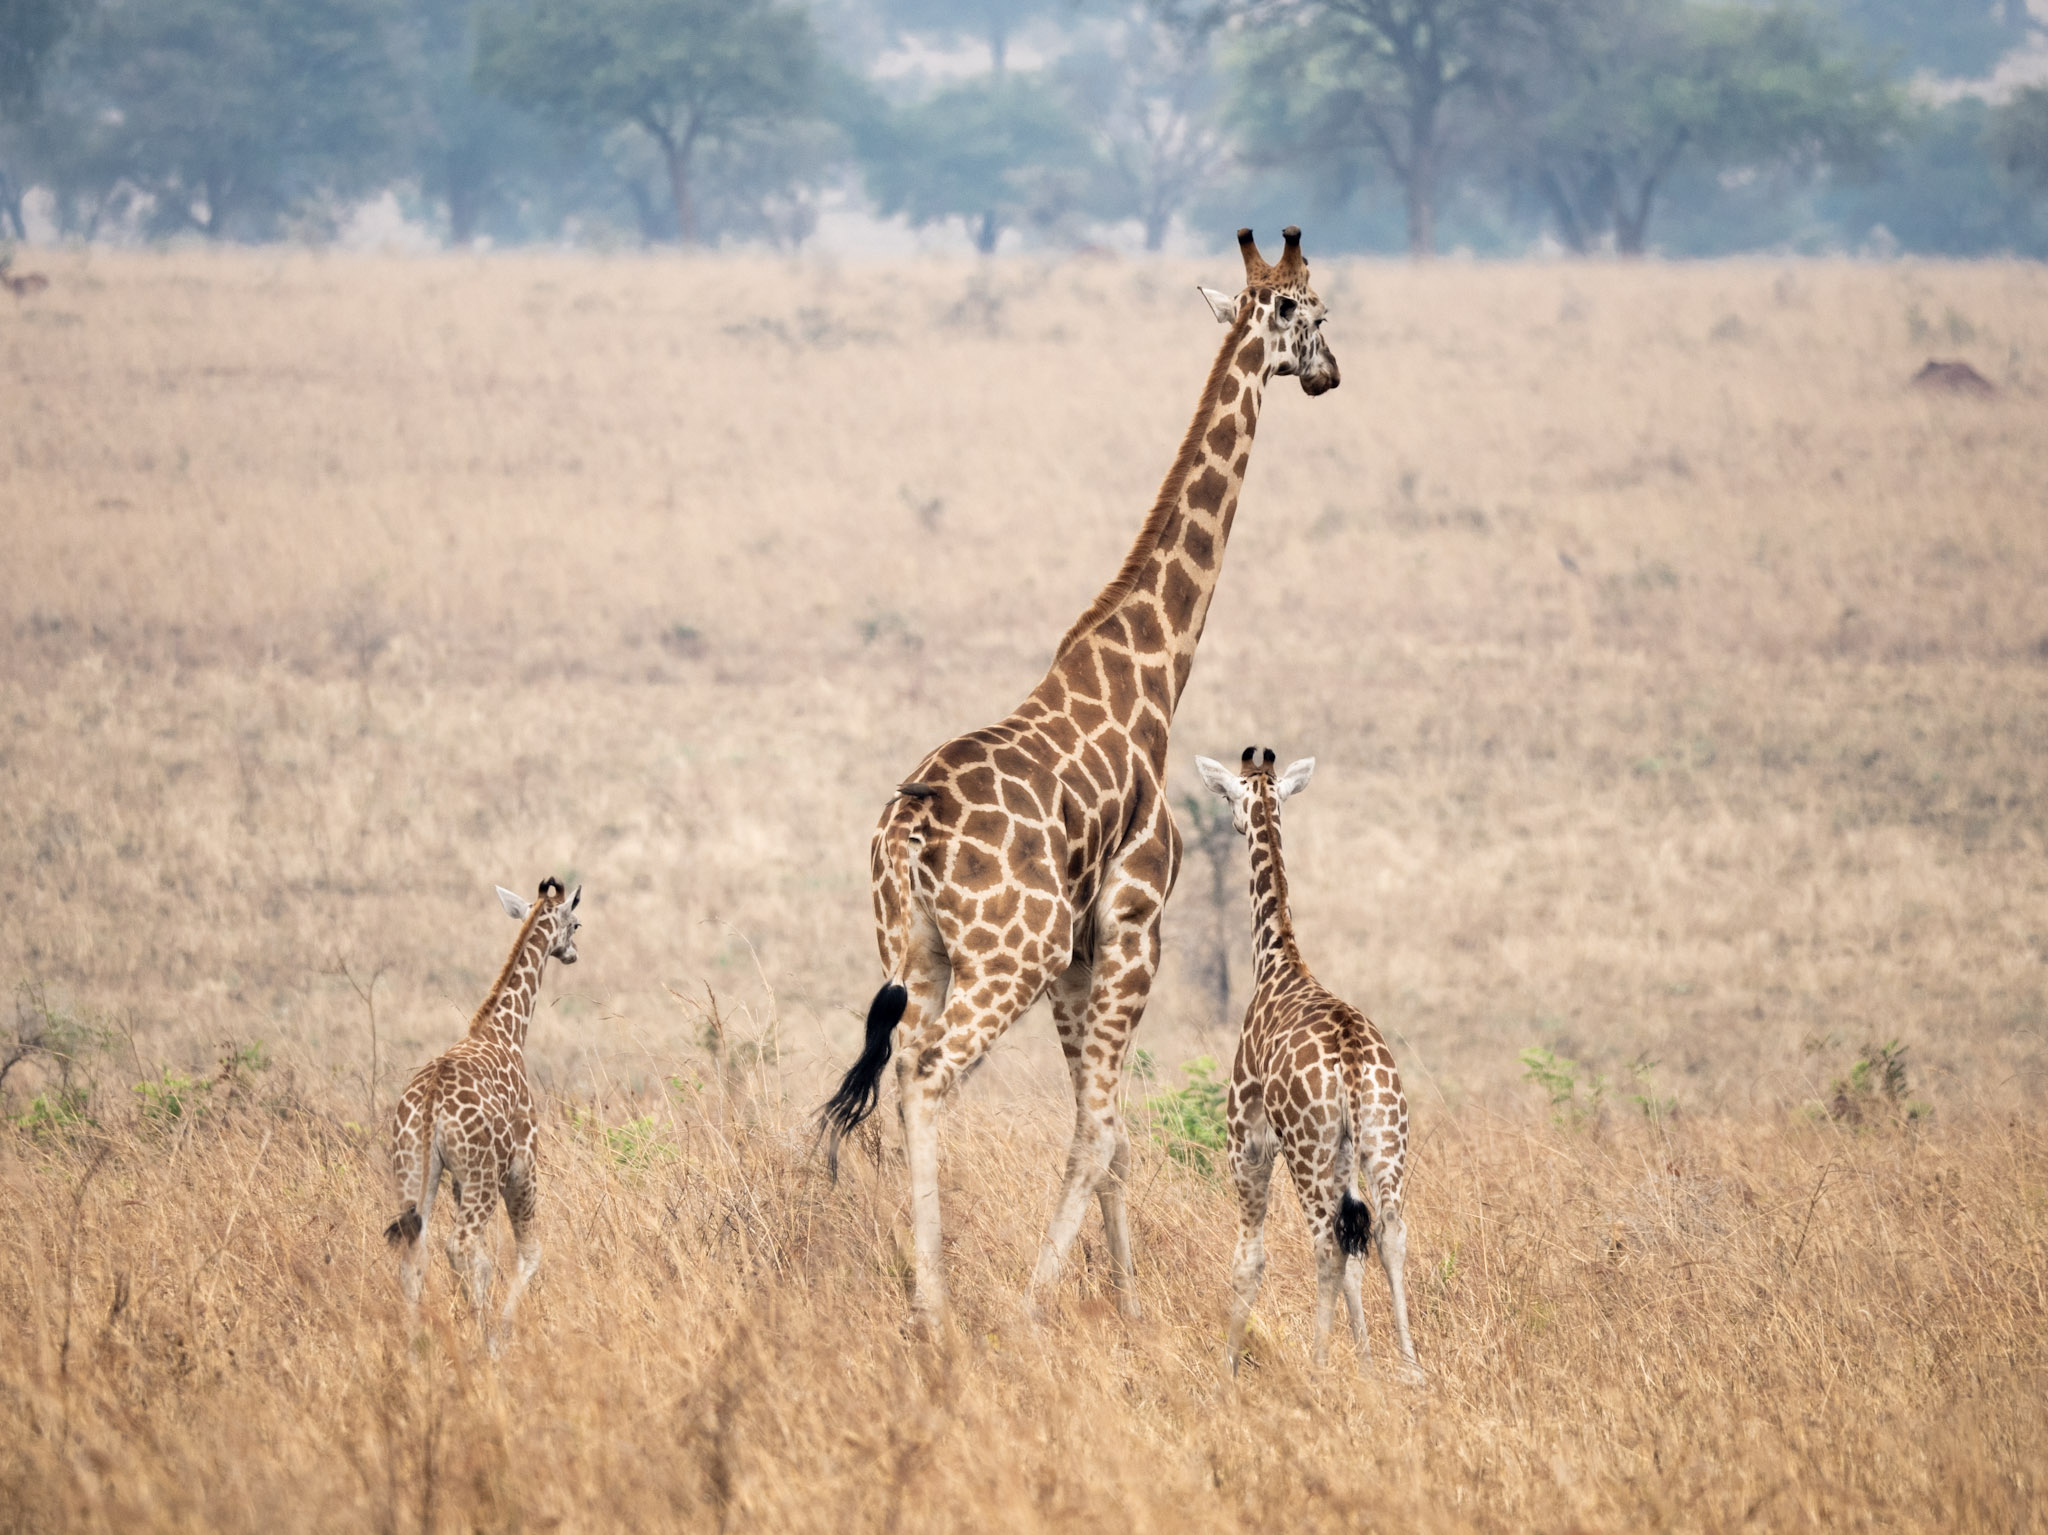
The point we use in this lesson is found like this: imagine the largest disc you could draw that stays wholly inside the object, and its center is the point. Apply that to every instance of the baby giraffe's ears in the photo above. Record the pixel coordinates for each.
(1295, 779)
(515, 908)
(577, 897)
(1220, 779)
(1221, 305)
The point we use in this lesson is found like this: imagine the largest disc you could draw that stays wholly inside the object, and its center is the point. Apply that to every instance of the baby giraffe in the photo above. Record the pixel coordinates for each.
(1313, 1080)
(469, 1111)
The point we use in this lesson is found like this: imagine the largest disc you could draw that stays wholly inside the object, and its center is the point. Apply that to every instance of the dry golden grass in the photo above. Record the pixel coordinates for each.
(1680, 685)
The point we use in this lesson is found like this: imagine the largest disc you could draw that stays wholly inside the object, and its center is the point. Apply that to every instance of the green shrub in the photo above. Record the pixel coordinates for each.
(173, 1098)
(1189, 1121)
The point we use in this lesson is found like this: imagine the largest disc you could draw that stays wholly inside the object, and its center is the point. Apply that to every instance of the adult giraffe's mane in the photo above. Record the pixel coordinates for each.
(1184, 464)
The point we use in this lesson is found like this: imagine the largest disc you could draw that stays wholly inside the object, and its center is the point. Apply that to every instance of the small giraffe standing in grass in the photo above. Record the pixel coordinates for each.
(1314, 1081)
(469, 1111)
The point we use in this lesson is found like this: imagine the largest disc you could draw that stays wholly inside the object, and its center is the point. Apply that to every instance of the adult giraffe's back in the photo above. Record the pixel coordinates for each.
(1037, 854)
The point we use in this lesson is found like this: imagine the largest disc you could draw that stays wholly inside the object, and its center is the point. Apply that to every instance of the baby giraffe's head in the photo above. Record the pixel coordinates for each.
(557, 920)
(1283, 317)
(1255, 782)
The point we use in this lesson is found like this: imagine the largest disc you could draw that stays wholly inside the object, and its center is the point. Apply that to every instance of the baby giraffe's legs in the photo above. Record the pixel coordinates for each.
(468, 1246)
(1330, 1266)
(1393, 1240)
(412, 1253)
(1252, 1147)
(1354, 1306)
(1384, 1171)
(522, 1199)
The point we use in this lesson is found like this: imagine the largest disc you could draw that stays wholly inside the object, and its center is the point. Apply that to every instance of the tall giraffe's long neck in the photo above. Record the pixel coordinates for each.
(1273, 945)
(1160, 597)
(509, 1007)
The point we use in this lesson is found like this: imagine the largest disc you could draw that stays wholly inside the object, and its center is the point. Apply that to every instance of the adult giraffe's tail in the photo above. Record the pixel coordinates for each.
(861, 1088)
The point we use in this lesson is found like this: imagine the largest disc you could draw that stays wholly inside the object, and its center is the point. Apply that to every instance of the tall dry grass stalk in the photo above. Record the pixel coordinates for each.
(1679, 680)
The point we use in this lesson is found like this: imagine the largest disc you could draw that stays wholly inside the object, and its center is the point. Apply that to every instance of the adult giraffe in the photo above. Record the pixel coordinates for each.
(1037, 854)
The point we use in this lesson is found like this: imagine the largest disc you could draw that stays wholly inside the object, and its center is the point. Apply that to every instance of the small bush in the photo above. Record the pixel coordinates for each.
(1189, 1121)
(1875, 1089)
(57, 1114)
(173, 1099)
(1558, 1076)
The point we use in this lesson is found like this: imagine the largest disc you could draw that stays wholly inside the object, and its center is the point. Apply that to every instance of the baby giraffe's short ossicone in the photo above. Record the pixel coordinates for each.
(469, 1112)
(1313, 1081)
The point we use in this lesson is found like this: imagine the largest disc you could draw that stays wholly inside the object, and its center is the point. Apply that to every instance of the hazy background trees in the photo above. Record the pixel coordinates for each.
(1686, 126)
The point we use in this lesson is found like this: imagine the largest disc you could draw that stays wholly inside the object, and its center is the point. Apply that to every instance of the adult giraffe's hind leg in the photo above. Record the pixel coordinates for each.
(978, 1009)
(1097, 1010)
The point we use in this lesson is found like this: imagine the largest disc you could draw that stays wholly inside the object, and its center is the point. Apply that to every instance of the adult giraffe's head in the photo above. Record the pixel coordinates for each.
(556, 922)
(1255, 781)
(1282, 311)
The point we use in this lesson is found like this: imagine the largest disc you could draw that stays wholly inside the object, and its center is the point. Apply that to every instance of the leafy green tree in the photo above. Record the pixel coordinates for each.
(1000, 151)
(2017, 137)
(1399, 82)
(1643, 86)
(223, 115)
(689, 74)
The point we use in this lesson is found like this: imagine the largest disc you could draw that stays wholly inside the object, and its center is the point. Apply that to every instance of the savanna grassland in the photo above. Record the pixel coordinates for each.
(1679, 683)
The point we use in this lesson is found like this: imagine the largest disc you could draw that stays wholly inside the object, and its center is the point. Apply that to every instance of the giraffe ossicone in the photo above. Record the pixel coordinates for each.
(1034, 857)
(469, 1113)
(1314, 1082)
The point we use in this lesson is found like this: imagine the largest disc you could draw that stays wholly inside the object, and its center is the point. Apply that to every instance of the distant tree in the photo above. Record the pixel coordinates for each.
(2017, 137)
(1399, 82)
(1641, 86)
(30, 32)
(467, 148)
(1152, 99)
(689, 74)
(222, 115)
(1000, 151)
(1949, 37)
(1941, 192)
(993, 22)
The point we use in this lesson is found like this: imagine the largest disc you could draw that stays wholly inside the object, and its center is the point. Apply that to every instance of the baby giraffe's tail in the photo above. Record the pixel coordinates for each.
(406, 1229)
(1354, 1224)
(418, 1168)
(1354, 1215)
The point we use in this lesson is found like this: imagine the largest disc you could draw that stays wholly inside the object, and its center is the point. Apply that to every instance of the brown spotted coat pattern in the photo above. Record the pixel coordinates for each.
(1314, 1082)
(469, 1113)
(1035, 856)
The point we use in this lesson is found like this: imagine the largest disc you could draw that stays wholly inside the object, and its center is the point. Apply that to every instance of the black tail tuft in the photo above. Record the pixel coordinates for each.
(405, 1229)
(1354, 1224)
(861, 1088)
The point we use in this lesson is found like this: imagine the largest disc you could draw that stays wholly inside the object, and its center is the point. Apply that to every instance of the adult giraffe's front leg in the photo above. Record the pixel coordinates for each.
(1097, 1008)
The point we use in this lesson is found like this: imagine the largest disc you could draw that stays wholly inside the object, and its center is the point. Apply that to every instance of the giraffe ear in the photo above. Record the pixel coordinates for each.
(576, 899)
(1220, 779)
(1295, 779)
(515, 907)
(1221, 305)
